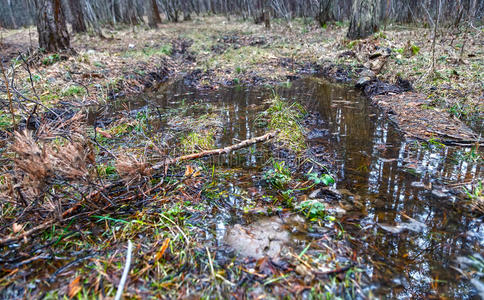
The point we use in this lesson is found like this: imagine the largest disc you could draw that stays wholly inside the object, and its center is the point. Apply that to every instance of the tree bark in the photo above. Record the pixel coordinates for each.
(267, 14)
(51, 26)
(10, 11)
(365, 19)
(78, 21)
(154, 15)
(325, 13)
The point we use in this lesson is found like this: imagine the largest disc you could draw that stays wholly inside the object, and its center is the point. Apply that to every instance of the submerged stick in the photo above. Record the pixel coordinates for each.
(214, 152)
(122, 282)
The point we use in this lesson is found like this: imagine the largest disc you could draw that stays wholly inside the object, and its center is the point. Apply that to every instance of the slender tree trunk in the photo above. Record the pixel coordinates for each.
(77, 11)
(326, 12)
(130, 15)
(472, 9)
(10, 11)
(51, 26)
(436, 26)
(365, 19)
(267, 14)
(154, 15)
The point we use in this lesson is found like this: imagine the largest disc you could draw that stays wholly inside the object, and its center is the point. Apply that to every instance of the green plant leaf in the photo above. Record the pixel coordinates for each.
(327, 179)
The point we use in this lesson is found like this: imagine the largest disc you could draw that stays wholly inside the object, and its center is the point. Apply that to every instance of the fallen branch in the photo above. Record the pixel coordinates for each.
(214, 152)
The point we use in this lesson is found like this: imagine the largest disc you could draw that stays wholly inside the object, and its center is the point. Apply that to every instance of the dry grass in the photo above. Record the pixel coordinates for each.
(132, 169)
(41, 160)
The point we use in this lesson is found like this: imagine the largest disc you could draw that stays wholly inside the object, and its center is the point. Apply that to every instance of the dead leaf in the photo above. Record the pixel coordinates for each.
(74, 287)
(104, 133)
(190, 172)
(17, 228)
(163, 248)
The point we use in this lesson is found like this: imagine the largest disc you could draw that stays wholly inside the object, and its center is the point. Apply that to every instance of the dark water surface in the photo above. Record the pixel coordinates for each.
(410, 228)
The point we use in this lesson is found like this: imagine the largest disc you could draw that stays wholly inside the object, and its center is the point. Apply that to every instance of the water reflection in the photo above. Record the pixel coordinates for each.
(409, 227)
(376, 163)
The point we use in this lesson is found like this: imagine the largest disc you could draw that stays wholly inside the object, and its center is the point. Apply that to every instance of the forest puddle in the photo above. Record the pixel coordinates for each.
(394, 197)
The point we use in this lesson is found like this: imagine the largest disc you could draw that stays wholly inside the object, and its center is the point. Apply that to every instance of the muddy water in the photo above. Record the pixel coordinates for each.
(406, 222)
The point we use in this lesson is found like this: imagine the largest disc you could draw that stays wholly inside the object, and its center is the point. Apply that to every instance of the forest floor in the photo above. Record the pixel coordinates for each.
(174, 255)
(213, 51)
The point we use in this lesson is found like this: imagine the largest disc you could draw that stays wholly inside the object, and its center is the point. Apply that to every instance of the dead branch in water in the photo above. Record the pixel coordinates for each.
(214, 152)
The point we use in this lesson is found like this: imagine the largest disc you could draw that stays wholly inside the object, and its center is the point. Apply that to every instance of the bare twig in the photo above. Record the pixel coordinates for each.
(210, 263)
(27, 68)
(122, 282)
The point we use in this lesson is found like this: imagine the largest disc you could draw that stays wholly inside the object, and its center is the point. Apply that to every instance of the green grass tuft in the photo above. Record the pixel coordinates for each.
(285, 118)
(195, 142)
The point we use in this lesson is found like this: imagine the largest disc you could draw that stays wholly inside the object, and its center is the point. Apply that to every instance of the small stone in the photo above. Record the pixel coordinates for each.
(314, 194)
(302, 270)
(439, 194)
(367, 73)
(363, 81)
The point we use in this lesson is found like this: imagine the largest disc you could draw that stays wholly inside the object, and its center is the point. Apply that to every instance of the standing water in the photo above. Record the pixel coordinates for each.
(414, 233)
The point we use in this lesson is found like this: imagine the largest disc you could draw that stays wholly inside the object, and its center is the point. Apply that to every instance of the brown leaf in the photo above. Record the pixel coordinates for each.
(104, 133)
(189, 171)
(163, 248)
(74, 287)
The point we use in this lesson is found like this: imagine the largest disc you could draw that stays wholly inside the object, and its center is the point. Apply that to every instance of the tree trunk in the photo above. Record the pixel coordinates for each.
(78, 21)
(326, 12)
(267, 14)
(365, 19)
(51, 26)
(10, 11)
(154, 15)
